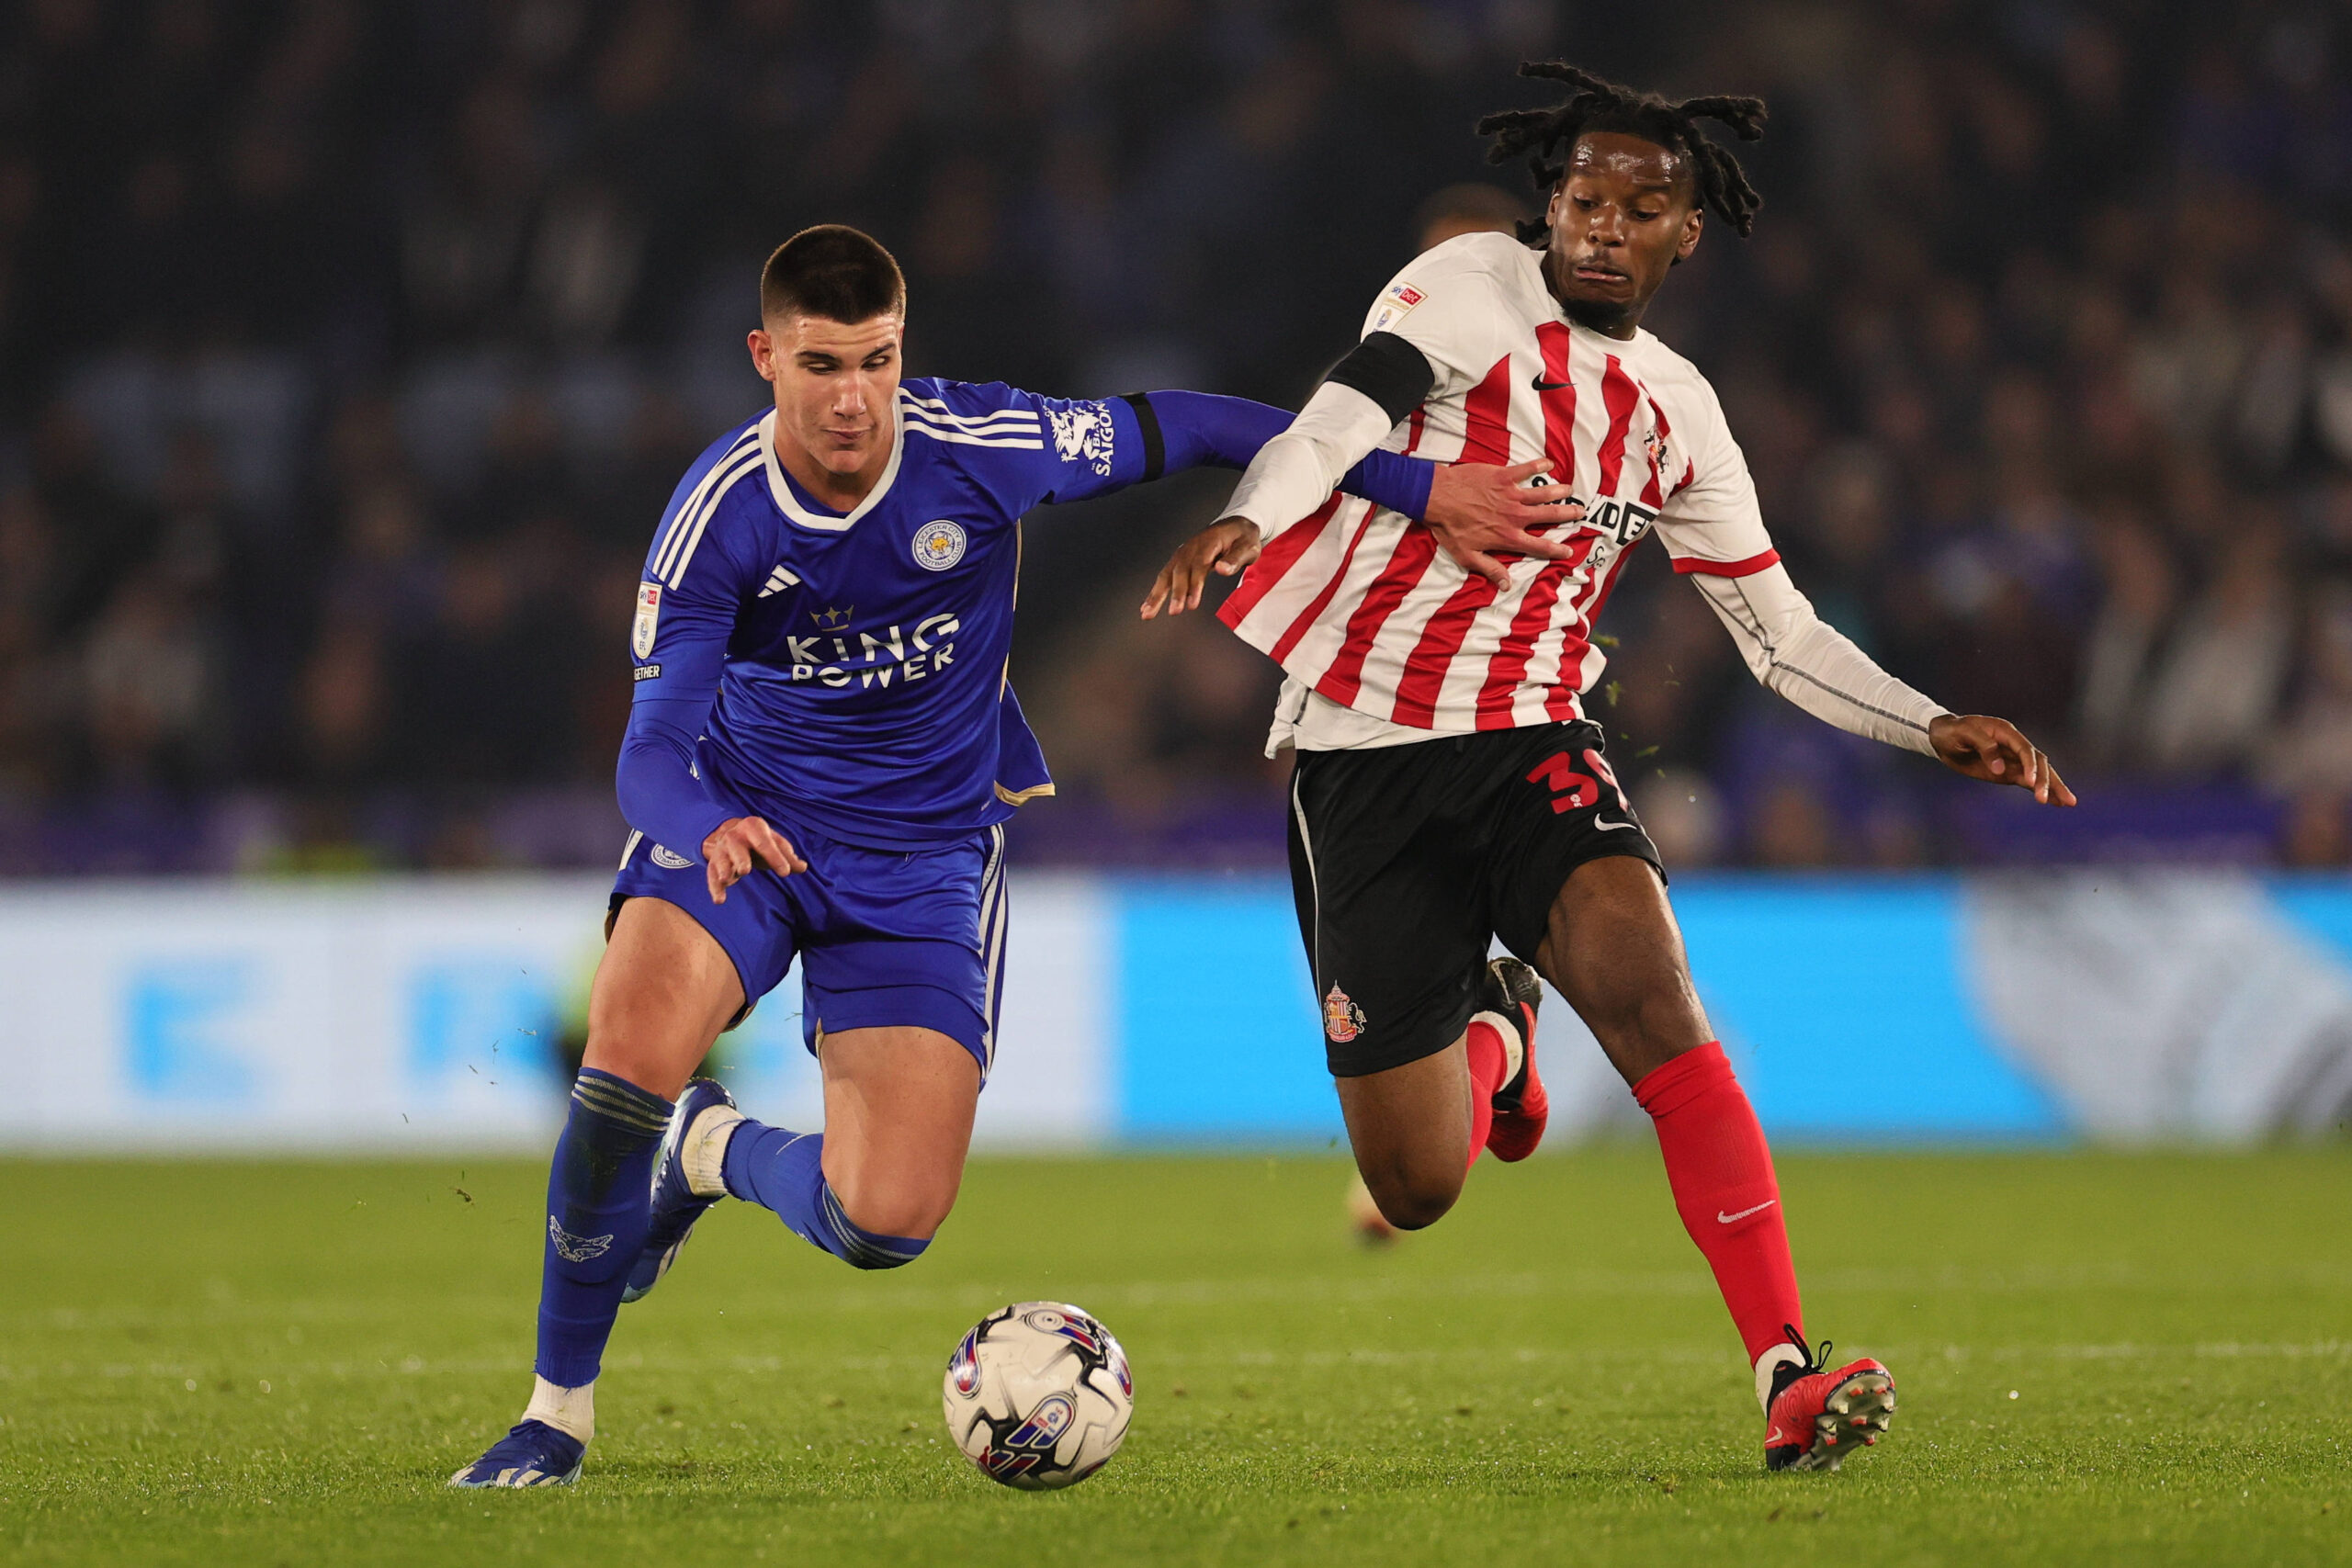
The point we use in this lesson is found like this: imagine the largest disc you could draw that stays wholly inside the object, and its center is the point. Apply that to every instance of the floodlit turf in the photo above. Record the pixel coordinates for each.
(2101, 1359)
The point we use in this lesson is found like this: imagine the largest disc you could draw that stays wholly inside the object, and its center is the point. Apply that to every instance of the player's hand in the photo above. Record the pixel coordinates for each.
(1478, 509)
(1223, 547)
(1993, 749)
(738, 844)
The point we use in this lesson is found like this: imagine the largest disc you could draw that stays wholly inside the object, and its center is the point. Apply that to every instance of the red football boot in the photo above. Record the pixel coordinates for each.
(1818, 1416)
(1512, 993)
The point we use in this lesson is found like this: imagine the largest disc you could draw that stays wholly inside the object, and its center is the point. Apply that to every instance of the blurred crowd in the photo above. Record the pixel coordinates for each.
(348, 352)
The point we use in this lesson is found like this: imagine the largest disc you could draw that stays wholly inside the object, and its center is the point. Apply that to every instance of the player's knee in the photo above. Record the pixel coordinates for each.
(1413, 1201)
(1416, 1209)
(882, 1258)
(906, 1215)
(865, 1243)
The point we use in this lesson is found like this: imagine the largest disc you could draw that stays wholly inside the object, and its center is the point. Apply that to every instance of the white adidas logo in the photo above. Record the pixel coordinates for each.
(778, 581)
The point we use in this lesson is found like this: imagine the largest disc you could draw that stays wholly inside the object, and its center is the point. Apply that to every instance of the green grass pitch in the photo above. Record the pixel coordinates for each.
(2102, 1359)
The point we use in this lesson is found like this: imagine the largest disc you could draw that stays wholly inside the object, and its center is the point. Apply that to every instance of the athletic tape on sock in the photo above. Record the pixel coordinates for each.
(1506, 1034)
(571, 1411)
(702, 1154)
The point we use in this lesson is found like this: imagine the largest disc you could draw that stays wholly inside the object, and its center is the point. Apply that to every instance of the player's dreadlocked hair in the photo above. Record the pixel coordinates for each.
(1597, 104)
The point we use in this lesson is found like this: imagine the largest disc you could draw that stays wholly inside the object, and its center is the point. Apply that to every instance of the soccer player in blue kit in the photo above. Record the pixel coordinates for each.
(821, 755)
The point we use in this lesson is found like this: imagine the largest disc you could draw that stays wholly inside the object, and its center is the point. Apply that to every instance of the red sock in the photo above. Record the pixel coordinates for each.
(1724, 1189)
(1488, 1066)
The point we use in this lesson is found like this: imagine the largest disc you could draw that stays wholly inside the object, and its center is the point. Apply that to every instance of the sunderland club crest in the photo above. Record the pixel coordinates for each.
(1343, 1020)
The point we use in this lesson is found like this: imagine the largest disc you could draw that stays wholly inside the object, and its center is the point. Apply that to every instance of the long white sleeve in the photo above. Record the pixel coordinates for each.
(1298, 470)
(1798, 655)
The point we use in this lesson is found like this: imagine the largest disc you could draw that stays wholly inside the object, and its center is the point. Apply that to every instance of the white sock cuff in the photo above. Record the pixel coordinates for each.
(1778, 1355)
(571, 1411)
(704, 1156)
(1514, 1048)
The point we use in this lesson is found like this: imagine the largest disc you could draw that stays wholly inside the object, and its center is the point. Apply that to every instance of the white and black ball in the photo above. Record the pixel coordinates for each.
(1038, 1395)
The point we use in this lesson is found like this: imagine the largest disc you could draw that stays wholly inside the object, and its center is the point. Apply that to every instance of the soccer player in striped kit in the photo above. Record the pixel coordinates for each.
(1449, 788)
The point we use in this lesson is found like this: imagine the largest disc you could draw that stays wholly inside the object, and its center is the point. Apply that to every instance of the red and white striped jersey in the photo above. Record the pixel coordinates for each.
(1358, 604)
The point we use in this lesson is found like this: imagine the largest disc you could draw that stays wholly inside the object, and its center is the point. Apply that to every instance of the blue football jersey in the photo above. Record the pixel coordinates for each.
(860, 659)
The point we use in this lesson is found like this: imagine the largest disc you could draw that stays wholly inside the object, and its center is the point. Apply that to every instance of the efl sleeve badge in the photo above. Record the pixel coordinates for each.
(1396, 302)
(648, 611)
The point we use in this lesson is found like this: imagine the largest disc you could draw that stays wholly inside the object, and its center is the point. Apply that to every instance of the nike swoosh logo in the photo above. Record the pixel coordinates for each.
(1541, 385)
(1723, 1219)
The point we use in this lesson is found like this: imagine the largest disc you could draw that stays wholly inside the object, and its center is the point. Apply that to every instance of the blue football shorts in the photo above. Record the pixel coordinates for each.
(886, 938)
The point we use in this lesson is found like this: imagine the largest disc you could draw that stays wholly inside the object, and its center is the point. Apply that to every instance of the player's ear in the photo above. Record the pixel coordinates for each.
(1692, 228)
(762, 347)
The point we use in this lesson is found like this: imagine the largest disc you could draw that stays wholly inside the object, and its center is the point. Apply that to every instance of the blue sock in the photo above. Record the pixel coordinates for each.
(785, 1170)
(599, 1204)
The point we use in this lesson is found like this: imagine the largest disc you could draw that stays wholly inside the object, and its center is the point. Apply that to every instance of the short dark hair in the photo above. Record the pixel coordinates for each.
(1718, 184)
(832, 270)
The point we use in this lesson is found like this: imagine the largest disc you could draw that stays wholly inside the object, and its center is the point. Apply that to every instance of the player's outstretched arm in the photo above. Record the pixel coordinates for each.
(1996, 750)
(1296, 470)
(1477, 512)
(1194, 429)
(1796, 654)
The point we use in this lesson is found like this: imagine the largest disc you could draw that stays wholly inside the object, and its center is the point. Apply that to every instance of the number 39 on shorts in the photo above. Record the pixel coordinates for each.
(1574, 787)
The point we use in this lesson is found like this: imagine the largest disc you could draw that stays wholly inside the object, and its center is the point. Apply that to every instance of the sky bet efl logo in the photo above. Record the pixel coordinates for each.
(841, 657)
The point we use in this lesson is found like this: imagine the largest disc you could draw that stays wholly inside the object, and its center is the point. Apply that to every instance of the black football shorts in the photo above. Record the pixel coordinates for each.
(1406, 863)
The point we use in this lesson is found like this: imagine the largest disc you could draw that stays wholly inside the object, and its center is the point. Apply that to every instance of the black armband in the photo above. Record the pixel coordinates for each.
(1389, 371)
(1155, 444)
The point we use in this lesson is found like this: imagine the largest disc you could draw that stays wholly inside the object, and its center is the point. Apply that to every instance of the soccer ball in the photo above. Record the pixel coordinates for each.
(1038, 1395)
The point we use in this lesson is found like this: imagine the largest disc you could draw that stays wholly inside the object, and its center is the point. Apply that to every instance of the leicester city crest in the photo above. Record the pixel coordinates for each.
(939, 546)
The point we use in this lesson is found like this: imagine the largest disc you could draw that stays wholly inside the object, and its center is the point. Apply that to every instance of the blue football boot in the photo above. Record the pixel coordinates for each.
(685, 1148)
(531, 1454)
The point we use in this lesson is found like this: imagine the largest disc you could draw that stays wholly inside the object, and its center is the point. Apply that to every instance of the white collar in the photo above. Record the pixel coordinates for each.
(780, 489)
